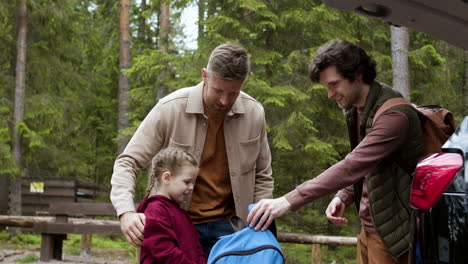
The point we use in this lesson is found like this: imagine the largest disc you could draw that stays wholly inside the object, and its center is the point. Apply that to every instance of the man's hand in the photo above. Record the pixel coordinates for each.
(265, 211)
(132, 225)
(335, 211)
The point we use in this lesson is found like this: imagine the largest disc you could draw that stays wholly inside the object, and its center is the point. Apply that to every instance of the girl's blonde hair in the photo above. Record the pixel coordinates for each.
(168, 160)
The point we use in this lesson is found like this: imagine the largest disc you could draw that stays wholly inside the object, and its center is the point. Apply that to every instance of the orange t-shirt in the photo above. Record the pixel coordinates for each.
(212, 198)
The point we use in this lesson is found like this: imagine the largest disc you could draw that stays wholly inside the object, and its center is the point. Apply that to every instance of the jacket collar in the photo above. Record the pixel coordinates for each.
(372, 97)
(195, 102)
(351, 114)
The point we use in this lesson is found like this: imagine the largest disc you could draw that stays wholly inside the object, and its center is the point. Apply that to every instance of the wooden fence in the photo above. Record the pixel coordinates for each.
(30, 196)
(315, 240)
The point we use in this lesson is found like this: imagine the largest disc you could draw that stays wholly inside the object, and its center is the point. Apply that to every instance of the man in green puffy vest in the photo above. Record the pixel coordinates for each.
(376, 175)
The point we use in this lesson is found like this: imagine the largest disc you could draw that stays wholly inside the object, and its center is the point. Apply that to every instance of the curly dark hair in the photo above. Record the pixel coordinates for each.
(349, 59)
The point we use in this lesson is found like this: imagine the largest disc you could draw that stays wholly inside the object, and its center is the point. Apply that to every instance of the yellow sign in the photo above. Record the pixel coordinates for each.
(36, 187)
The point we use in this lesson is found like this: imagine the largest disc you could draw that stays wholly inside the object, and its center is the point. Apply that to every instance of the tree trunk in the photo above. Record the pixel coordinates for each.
(164, 26)
(400, 42)
(124, 63)
(465, 86)
(142, 25)
(211, 8)
(86, 6)
(201, 19)
(269, 43)
(18, 114)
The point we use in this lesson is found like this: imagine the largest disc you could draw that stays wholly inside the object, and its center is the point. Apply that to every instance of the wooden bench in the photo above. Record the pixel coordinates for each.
(53, 233)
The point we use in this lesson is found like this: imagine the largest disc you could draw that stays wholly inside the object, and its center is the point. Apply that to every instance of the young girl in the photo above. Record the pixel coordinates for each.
(169, 235)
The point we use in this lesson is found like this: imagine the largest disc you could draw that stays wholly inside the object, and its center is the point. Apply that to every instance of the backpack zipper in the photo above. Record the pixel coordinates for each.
(247, 252)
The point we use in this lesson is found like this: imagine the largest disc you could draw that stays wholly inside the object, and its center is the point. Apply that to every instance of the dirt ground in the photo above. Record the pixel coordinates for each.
(10, 254)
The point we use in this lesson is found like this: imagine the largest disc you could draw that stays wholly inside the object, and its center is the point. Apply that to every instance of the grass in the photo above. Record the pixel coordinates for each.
(72, 245)
(4, 236)
(301, 254)
(20, 241)
(28, 259)
(295, 253)
(98, 241)
(26, 239)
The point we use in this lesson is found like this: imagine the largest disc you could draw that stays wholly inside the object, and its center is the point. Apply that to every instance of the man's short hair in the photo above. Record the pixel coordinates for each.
(229, 62)
(349, 59)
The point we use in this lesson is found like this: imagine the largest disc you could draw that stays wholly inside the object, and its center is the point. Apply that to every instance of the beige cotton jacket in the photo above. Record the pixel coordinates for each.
(178, 120)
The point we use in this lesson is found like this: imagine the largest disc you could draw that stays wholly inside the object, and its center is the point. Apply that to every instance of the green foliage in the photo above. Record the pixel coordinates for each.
(109, 242)
(98, 241)
(73, 240)
(5, 236)
(301, 254)
(296, 253)
(26, 239)
(437, 71)
(7, 81)
(6, 158)
(73, 244)
(339, 254)
(27, 259)
(70, 122)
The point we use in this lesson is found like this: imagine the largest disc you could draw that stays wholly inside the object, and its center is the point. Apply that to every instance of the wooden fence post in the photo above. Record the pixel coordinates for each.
(4, 192)
(316, 254)
(86, 245)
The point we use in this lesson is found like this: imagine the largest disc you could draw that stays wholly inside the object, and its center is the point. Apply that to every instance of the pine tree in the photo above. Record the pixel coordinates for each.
(18, 115)
(8, 52)
(124, 85)
(400, 43)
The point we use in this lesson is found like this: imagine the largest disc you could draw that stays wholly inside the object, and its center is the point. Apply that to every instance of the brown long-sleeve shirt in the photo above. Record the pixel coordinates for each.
(212, 198)
(389, 132)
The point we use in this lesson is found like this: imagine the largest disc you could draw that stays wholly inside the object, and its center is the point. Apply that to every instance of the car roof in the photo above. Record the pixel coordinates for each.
(444, 19)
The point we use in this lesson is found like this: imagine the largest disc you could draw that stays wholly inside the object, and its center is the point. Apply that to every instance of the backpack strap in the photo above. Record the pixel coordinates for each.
(389, 104)
(386, 106)
(237, 223)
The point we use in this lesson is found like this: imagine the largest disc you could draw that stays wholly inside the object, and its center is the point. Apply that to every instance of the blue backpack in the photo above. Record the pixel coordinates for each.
(247, 246)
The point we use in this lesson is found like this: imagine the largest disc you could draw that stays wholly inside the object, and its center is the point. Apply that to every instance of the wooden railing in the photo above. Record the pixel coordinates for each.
(315, 240)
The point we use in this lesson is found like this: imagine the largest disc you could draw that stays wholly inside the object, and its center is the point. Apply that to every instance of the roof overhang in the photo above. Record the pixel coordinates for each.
(444, 19)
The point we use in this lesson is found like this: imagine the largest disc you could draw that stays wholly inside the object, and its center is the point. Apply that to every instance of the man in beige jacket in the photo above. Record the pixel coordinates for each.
(223, 128)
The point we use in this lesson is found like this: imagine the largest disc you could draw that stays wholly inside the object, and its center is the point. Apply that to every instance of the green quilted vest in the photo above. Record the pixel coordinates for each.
(389, 183)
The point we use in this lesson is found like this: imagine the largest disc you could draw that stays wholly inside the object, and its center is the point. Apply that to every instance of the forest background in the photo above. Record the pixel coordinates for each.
(78, 76)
